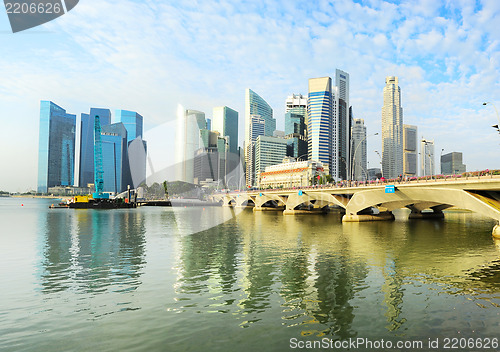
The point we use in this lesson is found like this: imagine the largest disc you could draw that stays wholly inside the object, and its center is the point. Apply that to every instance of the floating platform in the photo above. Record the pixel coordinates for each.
(102, 204)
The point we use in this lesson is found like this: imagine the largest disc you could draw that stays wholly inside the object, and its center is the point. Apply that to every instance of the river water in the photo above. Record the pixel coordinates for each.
(152, 279)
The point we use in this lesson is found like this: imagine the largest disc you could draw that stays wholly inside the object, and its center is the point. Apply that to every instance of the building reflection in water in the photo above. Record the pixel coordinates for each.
(316, 269)
(92, 251)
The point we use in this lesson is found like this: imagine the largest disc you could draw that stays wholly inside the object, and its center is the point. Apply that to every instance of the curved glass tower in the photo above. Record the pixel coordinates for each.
(255, 105)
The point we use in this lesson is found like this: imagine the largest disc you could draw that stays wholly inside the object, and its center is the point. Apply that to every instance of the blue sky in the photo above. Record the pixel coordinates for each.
(150, 56)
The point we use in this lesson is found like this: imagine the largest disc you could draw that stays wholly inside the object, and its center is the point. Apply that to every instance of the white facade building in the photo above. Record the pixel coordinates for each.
(291, 174)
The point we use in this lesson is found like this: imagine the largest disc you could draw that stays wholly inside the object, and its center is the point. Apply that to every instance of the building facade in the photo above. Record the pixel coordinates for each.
(451, 164)
(188, 126)
(343, 124)
(410, 150)
(255, 105)
(114, 157)
(297, 104)
(56, 147)
(225, 121)
(132, 121)
(257, 128)
(392, 129)
(268, 151)
(427, 163)
(291, 174)
(321, 124)
(359, 160)
(86, 160)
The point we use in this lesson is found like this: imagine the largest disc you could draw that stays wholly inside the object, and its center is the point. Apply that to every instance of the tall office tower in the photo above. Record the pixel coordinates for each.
(132, 121)
(297, 103)
(255, 105)
(451, 164)
(209, 124)
(359, 171)
(188, 126)
(114, 157)
(225, 121)
(295, 134)
(410, 150)
(427, 163)
(268, 151)
(343, 123)
(392, 129)
(321, 124)
(135, 170)
(257, 128)
(56, 147)
(87, 143)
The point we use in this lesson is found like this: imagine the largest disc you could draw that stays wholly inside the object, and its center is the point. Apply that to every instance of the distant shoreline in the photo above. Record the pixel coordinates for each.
(32, 196)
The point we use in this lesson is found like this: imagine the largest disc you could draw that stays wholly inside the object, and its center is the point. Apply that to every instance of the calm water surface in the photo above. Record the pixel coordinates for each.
(149, 280)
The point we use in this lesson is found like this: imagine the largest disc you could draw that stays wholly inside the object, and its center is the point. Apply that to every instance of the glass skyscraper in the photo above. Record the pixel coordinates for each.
(255, 105)
(320, 112)
(225, 121)
(87, 143)
(56, 147)
(114, 157)
(132, 121)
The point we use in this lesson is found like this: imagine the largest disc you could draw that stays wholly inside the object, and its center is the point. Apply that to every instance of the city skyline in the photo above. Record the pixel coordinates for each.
(445, 55)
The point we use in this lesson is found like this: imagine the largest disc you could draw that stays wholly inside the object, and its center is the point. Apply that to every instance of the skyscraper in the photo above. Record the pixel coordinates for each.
(114, 157)
(410, 150)
(427, 163)
(268, 151)
(255, 105)
(132, 121)
(359, 161)
(320, 128)
(257, 128)
(392, 129)
(451, 164)
(295, 134)
(87, 143)
(56, 147)
(189, 123)
(297, 104)
(225, 121)
(343, 126)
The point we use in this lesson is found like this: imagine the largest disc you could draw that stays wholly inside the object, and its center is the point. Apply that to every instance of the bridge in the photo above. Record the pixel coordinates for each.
(371, 202)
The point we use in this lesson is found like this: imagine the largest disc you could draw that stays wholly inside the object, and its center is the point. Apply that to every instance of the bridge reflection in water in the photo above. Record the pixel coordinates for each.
(374, 202)
(335, 280)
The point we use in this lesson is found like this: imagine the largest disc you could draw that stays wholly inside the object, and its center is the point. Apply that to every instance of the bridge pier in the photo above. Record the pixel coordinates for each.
(384, 216)
(257, 208)
(435, 214)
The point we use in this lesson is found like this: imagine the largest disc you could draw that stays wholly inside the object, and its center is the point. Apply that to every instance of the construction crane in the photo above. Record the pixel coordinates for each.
(98, 172)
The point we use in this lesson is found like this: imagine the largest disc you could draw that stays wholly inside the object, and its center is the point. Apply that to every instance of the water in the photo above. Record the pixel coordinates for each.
(141, 280)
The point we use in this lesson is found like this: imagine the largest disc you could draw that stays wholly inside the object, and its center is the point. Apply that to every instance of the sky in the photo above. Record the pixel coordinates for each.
(151, 56)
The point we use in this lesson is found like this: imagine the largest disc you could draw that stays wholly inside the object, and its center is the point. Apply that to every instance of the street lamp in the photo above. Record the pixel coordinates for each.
(355, 151)
(381, 169)
(441, 161)
(498, 116)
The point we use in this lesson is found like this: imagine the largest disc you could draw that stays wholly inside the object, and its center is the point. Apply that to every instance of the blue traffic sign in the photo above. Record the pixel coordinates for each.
(300, 192)
(390, 189)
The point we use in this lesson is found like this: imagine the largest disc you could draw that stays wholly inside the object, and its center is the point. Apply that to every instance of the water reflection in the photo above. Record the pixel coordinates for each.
(91, 251)
(317, 269)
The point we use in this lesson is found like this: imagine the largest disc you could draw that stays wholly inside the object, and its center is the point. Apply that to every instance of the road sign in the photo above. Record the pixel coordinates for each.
(390, 189)
(300, 192)
(260, 194)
